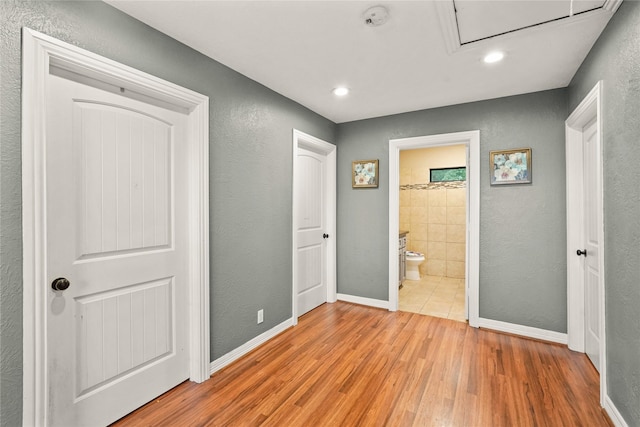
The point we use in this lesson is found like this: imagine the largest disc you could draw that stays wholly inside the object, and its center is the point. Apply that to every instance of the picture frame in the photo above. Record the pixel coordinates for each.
(364, 174)
(510, 166)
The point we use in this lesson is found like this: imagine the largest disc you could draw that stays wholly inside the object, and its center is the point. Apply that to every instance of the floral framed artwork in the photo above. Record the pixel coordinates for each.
(510, 166)
(364, 174)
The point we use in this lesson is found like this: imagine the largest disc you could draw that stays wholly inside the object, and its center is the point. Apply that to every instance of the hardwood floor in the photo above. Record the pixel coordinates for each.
(350, 365)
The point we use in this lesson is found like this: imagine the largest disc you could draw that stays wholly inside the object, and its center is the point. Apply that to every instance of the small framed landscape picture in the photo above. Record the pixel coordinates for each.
(510, 166)
(364, 174)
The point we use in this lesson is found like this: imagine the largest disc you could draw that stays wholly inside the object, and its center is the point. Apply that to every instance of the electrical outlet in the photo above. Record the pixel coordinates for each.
(260, 316)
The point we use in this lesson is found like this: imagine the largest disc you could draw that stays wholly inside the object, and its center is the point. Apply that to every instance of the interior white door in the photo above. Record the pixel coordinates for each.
(117, 230)
(311, 223)
(593, 293)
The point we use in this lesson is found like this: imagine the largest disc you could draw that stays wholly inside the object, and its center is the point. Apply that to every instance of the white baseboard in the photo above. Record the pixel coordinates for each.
(234, 355)
(613, 413)
(364, 301)
(525, 331)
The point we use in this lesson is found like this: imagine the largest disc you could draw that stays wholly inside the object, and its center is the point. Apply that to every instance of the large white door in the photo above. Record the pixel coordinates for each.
(117, 231)
(311, 232)
(593, 293)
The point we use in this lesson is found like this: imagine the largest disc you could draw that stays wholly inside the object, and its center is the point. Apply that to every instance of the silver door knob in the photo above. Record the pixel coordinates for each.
(60, 284)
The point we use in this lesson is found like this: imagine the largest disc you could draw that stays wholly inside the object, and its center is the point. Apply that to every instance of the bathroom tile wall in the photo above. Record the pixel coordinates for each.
(435, 216)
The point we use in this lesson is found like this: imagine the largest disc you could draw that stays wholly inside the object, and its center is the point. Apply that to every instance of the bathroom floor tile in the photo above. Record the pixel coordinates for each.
(447, 293)
(434, 296)
(421, 293)
(439, 299)
(411, 308)
(410, 283)
(435, 314)
(437, 306)
(457, 317)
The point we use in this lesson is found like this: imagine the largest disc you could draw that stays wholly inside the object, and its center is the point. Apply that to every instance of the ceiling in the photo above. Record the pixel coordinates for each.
(428, 54)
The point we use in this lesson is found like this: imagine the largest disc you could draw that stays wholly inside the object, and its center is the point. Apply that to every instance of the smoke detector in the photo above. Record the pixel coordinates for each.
(376, 16)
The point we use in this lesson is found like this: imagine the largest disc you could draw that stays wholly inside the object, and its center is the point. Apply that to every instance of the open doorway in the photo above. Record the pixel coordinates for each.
(432, 219)
(471, 142)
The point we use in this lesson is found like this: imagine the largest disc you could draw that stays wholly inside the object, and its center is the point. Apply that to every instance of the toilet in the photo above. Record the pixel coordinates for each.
(414, 259)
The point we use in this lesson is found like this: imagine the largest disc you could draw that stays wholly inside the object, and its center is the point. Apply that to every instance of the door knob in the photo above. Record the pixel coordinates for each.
(325, 236)
(60, 284)
(579, 252)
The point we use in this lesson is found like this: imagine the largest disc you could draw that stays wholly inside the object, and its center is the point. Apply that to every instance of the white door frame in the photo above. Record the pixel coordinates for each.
(39, 52)
(308, 142)
(589, 109)
(472, 141)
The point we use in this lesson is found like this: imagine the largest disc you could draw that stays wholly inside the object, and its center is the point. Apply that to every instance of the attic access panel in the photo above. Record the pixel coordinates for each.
(478, 20)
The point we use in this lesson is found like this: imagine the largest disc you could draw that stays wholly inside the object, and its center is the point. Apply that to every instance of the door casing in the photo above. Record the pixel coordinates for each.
(471, 139)
(303, 140)
(589, 109)
(39, 52)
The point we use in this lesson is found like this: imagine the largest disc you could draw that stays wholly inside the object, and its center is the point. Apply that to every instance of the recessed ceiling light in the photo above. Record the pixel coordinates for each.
(494, 57)
(340, 91)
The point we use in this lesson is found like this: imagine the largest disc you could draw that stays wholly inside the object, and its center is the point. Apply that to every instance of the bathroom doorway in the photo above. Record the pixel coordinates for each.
(434, 273)
(432, 216)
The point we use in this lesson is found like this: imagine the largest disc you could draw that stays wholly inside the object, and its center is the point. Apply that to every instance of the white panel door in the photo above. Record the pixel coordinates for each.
(310, 213)
(593, 293)
(117, 230)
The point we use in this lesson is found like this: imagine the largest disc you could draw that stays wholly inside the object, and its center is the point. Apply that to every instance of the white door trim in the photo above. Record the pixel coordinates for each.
(39, 52)
(472, 140)
(589, 109)
(303, 140)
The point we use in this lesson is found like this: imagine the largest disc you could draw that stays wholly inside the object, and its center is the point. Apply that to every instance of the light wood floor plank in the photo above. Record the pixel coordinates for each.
(350, 365)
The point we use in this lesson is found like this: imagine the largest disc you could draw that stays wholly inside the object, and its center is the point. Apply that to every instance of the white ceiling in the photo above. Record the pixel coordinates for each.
(425, 56)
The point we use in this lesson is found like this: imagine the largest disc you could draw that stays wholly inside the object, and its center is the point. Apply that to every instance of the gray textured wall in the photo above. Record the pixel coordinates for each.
(522, 228)
(615, 59)
(251, 173)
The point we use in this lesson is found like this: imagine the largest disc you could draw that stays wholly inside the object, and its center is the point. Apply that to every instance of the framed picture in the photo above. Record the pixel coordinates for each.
(510, 166)
(364, 174)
